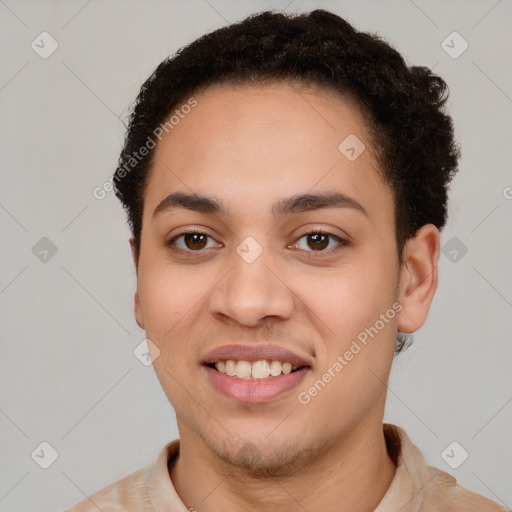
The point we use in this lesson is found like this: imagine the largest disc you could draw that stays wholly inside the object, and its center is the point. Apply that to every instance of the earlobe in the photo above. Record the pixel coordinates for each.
(136, 302)
(419, 278)
(138, 310)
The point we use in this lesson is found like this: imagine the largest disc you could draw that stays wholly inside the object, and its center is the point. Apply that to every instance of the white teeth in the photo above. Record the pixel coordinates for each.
(243, 369)
(261, 369)
(230, 367)
(275, 368)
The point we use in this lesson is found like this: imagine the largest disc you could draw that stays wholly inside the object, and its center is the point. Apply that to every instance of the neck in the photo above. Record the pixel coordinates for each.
(352, 476)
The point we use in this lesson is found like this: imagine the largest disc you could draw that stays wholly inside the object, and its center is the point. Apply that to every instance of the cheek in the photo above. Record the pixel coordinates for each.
(348, 301)
(172, 301)
(163, 304)
(166, 295)
(167, 303)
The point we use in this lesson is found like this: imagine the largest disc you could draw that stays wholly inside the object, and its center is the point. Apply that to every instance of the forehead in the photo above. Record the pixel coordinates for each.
(249, 144)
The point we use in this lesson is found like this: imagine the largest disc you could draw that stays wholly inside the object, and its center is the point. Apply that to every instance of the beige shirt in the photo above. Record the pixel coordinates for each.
(415, 487)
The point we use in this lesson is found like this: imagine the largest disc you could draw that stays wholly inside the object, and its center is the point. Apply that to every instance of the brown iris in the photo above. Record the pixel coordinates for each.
(195, 240)
(321, 241)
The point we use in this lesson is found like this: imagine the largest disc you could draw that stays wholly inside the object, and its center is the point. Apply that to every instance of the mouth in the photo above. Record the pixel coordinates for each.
(255, 374)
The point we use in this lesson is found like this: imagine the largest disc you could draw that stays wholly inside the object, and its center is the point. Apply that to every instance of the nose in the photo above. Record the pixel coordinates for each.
(252, 293)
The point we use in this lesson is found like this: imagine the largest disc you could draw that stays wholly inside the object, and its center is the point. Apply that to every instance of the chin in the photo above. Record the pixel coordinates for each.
(264, 457)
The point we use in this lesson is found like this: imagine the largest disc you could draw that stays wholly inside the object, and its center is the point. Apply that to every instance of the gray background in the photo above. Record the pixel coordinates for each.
(68, 373)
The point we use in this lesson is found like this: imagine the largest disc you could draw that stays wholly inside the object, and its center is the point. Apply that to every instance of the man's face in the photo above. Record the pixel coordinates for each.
(251, 279)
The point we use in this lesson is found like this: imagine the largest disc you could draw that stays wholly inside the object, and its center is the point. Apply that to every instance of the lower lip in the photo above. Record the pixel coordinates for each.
(254, 391)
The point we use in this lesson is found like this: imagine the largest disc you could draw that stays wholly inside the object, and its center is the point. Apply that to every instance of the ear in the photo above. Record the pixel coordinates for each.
(136, 303)
(418, 278)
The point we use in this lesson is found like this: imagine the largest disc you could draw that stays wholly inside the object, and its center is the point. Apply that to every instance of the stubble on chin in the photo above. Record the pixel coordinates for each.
(257, 462)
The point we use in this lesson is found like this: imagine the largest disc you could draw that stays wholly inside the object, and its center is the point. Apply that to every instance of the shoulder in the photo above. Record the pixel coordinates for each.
(127, 494)
(423, 487)
(134, 492)
(443, 492)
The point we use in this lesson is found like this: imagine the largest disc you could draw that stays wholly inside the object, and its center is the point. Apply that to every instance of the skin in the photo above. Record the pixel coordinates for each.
(250, 147)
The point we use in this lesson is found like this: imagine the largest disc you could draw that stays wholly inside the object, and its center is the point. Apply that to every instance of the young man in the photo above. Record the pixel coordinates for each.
(285, 180)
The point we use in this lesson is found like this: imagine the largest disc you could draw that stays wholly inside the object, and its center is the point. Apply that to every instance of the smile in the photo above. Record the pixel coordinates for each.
(254, 373)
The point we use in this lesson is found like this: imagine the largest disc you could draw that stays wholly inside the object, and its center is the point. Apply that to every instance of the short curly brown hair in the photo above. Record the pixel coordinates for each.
(403, 106)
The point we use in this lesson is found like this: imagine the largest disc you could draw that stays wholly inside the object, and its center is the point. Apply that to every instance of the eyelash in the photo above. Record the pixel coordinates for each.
(341, 241)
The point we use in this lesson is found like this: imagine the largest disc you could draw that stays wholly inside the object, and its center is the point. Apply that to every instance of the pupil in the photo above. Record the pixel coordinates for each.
(194, 237)
(316, 237)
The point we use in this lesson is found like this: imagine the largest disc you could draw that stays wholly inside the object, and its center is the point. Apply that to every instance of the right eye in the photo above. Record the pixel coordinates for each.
(192, 241)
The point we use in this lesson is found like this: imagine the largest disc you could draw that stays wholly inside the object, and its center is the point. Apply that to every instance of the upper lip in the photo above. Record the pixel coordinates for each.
(253, 353)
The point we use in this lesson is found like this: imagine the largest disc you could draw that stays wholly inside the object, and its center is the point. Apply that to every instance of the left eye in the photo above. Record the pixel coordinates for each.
(319, 241)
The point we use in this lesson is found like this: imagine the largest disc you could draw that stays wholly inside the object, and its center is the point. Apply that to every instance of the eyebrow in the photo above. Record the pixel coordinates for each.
(292, 205)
